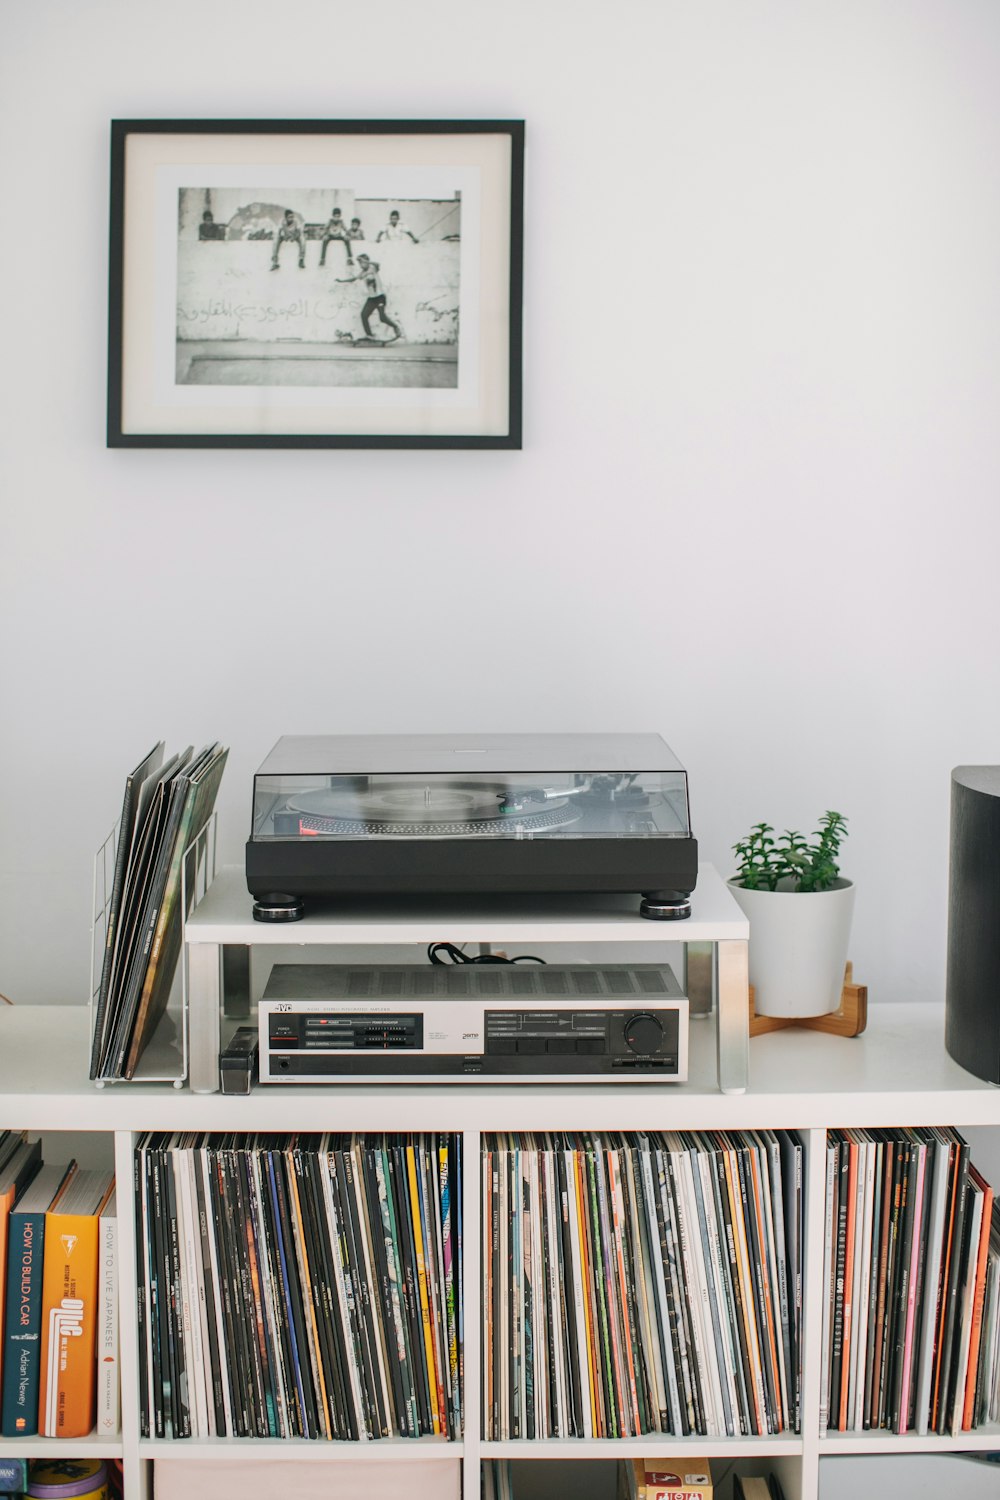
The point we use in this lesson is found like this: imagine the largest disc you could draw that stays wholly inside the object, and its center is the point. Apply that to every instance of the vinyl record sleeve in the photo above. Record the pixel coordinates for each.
(218, 1353)
(273, 1298)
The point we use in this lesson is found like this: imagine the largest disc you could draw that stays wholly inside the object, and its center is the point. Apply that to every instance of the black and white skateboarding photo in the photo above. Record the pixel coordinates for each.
(284, 286)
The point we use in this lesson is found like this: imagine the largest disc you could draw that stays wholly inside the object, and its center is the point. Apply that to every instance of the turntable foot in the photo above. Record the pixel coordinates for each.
(665, 906)
(275, 906)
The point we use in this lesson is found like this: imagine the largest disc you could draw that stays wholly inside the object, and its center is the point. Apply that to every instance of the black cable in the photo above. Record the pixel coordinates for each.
(456, 956)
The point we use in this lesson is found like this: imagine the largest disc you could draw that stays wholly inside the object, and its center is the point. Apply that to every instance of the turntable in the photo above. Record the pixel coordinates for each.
(342, 816)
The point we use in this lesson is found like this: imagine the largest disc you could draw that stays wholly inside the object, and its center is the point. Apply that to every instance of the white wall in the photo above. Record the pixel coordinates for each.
(756, 509)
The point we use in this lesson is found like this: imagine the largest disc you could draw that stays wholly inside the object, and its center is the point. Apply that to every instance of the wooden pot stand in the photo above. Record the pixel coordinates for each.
(849, 1020)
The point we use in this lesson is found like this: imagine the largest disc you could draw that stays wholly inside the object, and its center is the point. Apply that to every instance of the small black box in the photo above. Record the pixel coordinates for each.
(238, 1061)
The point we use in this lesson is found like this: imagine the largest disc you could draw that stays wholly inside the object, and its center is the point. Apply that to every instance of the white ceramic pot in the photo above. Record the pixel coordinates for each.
(798, 947)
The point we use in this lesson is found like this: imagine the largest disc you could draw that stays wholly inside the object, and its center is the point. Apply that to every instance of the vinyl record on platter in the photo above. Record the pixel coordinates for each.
(445, 809)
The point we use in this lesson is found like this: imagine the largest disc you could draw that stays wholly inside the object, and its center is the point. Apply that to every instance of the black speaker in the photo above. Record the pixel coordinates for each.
(972, 994)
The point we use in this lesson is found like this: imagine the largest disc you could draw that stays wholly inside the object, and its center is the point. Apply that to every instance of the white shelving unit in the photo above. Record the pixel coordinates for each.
(897, 1073)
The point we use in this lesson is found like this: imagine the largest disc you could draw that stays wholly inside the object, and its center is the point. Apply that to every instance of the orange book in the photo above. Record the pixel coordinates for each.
(67, 1399)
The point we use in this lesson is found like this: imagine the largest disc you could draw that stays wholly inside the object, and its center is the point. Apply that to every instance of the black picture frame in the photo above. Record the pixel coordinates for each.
(208, 348)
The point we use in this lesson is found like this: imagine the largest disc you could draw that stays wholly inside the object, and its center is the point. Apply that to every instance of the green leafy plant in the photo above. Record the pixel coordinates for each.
(764, 861)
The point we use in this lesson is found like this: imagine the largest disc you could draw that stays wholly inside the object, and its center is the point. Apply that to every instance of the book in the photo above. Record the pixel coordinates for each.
(13, 1476)
(108, 1383)
(681, 1478)
(66, 1407)
(19, 1161)
(22, 1366)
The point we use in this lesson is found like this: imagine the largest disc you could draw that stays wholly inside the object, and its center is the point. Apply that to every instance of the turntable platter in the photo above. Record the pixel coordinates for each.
(400, 810)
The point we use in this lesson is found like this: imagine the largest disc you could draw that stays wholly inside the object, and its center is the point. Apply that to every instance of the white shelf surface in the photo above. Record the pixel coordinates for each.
(302, 1450)
(225, 916)
(652, 1445)
(47, 1447)
(897, 1073)
(983, 1440)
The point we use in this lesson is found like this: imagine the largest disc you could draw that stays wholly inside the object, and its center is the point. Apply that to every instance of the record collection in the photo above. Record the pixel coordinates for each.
(641, 1283)
(911, 1337)
(299, 1286)
(166, 805)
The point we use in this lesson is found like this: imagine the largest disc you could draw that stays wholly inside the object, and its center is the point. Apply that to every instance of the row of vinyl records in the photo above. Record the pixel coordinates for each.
(911, 1338)
(641, 1283)
(299, 1286)
(59, 1309)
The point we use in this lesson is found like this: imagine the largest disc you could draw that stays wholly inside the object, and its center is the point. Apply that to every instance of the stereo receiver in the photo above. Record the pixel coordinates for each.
(552, 1023)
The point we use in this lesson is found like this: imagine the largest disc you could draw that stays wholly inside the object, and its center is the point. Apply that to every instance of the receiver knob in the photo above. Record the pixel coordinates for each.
(643, 1034)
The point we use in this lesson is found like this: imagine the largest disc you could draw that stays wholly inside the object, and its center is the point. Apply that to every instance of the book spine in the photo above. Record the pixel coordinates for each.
(108, 1383)
(69, 1326)
(22, 1327)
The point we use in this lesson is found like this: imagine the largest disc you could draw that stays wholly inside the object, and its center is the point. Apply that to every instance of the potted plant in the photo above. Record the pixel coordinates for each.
(800, 911)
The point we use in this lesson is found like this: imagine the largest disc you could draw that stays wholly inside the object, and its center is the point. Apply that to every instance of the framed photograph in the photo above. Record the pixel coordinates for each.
(315, 283)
